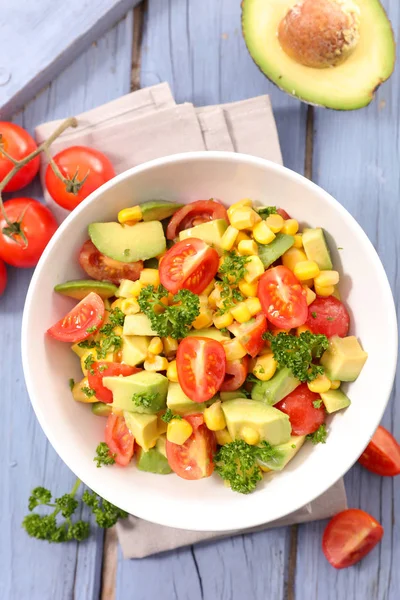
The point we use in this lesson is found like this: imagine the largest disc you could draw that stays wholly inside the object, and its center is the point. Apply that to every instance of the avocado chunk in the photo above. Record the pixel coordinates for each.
(181, 404)
(154, 385)
(128, 243)
(271, 424)
(269, 253)
(153, 461)
(348, 84)
(134, 349)
(161, 444)
(143, 428)
(79, 289)
(344, 358)
(278, 387)
(231, 395)
(210, 232)
(335, 400)
(157, 210)
(285, 453)
(100, 409)
(209, 332)
(125, 289)
(316, 248)
(138, 324)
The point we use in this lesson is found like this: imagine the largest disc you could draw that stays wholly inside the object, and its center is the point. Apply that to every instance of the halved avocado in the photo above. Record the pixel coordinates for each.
(79, 289)
(349, 76)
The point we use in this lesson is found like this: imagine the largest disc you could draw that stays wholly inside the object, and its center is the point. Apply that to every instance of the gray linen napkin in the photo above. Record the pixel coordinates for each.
(148, 124)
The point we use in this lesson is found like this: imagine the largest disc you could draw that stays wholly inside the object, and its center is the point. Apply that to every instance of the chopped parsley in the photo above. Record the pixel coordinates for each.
(144, 399)
(340, 248)
(109, 340)
(317, 403)
(88, 344)
(319, 436)
(298, 352)
(330, 318)
(293, 446)
(251, 378)
(88, 391)
(314, 314)
(102, 368)
(127, 252)
(103, 455)
(91, 329)
(89, 360)
(71, 383)
(231, 271)
(266, 211)
(169, 415)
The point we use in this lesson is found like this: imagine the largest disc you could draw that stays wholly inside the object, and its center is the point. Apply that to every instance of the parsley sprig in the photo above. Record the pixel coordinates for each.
(104, 455)
(298, 352)
(266, 211)
(231, 271)
(169, 415)
(108, 340)
(144, 399)
(319, 436)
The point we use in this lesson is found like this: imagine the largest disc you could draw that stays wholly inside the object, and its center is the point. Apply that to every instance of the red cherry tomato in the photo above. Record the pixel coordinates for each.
(250, 334)
(190, 264)
(84, 316)
(36, 222)
(350, 536)
(282, 298)
(283, 213)
(194, 214)
(382, 455)
(17, 143)
(102, 369)
(119, 439)
(78, 162)
(235, 374)
(201, 364)
(3, 277)
(328, 316)
(304, 417)
(102, 268)
(194, 458)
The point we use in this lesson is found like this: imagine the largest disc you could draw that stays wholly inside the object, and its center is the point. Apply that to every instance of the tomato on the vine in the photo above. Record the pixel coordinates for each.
(18, 144)
(3, 277)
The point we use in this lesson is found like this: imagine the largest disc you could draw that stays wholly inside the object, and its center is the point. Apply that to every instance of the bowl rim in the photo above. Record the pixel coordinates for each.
(251, 519)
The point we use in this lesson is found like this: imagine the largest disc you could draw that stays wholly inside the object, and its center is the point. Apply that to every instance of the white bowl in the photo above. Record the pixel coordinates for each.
(207, 504)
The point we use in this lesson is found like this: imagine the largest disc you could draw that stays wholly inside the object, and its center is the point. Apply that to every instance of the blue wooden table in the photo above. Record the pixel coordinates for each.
(198, 48)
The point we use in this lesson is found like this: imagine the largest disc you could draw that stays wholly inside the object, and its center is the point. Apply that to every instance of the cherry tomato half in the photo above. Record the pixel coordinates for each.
(194, 458)
(119, 439)
(3, 277)
(350, 536)
(328, 316)
(189, 264)
(201, 365)
(38, 225)
(282, 298)
(298, 405)
(102, 268)
(78, 162)
(102, 369)
(382, 455)
(194, 214)
(283, 213)
(78, 323)
(235, 374)
(17, 143)
(250, 334)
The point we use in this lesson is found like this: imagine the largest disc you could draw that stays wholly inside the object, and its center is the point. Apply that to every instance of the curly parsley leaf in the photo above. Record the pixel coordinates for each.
(298, 352)
(89, 360)
(266, 211)
(104, 455)
(169, 415)
(319, 436)
(39, 495)
(88, 391)
(145, 399)
(317, 403)
(231, 271)
(106, 514)
(71, 383)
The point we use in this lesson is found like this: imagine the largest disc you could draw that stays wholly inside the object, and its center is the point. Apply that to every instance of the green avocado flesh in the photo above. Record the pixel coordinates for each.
(153, 461)
(272, 425)
(335, 400)
(285, 453)
(101, 410)
(316, 248)
(154, 385)
(344, 358)
(79, 289)
(157, 210)
(273, 391)
(144, 428)
(269, 253)
(346, 86)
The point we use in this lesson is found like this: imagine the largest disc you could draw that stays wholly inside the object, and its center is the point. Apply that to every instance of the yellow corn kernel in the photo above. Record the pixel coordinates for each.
(243, 217)
(136, 288)
(324, 291)
(229, 238)
(298, 240)
(241, 312)
(248, 289)
(306, 269)
(149, 277)
(117, 303)
(275, 222)
(320, 384)
(130, 306)
(214, 299)
(223, 437)
(234, 349)
(205, 318)
(310, 294)
(222, 321)
(240, 204)
(155, 363)
(178, 431)
(172, 372)
(79, 395)
(155, 346)
(209, 288)
(335, 385)
(118, 330)
(250, 435)
(170, 346)
(290, 227)
(265, 367)
(302, 329)
(262, 233)
(131, 215)
(242, 236)
(254, 306)
(254, 269)
(292, 257)
(247, 247)
(214, 417)
(326, 278)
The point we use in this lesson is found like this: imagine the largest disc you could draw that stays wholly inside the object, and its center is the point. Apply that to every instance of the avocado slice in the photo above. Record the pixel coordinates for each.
(273, 391)
(344, 358)
(210, 232)
(285, 453)
(272, 425)
(209, 332)
(181, 404)
(138, 324)
(153, 461)
(335, 400)
(143, 428)
(134, 349)
(269, 253)
(349, 85)
(100, 409)
(123, 389)
(128, 243)
(157, 210)
(79, 289)
(231, 395)
(316, 248)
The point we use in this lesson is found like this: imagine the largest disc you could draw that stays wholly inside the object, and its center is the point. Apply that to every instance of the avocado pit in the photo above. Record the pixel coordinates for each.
(320, 33)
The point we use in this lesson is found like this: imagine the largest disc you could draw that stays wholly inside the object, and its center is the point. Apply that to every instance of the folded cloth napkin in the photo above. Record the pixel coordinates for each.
(144, 125)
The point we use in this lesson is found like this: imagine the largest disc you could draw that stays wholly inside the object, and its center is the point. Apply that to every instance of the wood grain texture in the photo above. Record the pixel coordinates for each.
(30, 568)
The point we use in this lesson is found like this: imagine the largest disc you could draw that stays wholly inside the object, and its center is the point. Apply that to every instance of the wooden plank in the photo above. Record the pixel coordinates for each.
(198, 48)
(54, 33)
(30, 568)
(356, 157)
